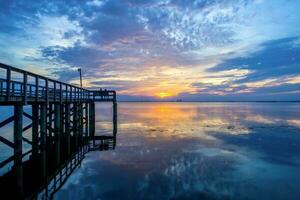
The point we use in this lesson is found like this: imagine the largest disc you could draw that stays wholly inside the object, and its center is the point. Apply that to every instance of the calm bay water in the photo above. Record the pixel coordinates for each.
(194, 151)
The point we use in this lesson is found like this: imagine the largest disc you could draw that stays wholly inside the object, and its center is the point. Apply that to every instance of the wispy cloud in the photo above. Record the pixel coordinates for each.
(177, 48)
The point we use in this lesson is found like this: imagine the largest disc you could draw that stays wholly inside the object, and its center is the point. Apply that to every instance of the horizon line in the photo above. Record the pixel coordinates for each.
(146, 101)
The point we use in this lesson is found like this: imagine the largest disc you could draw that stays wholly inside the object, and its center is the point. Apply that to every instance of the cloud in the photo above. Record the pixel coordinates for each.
(273, 68)
(164, 46)
(277, 57)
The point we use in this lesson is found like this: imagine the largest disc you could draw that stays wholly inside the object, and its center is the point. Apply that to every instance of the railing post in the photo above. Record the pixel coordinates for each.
(1, 87)
(54, 93)
(60, 93)
(36, 88)
(25, 88)
(77, 91)
(67, 95)
(8, 79)
(71, 93)
(76, 94)
(47, 91)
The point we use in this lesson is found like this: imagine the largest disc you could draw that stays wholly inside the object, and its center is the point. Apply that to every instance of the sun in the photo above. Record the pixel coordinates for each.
(163, 95)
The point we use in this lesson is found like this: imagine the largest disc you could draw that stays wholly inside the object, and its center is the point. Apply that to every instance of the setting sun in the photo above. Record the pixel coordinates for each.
(163, 95)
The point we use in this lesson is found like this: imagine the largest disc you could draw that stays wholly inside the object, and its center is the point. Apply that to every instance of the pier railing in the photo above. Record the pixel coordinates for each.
(17, 85)
(61, 121)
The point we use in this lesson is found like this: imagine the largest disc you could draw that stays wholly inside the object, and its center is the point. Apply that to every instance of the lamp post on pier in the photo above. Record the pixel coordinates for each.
(79, 70)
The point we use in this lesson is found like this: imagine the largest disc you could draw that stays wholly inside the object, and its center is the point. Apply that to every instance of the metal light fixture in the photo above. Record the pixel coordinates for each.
(79, 69)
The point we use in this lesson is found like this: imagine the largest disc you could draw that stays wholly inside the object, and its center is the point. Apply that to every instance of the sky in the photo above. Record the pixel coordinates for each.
(193, 50)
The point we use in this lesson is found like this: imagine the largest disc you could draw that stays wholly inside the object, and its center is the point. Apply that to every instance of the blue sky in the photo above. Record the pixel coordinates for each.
(167, 49)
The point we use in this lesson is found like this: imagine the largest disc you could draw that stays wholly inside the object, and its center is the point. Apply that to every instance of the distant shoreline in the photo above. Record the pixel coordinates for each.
(210, 101)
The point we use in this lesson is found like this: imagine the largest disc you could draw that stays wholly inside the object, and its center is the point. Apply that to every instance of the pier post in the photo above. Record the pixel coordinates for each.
(86, 123)
(92, 121)
(35, 129)
(8, 80)
(62, 132)
(43, 137)
(49, 124)
(75, 123)
(62, 123)
(18, 126)
(81, 127)
(57, 131)
(115, 113)
(67, 127)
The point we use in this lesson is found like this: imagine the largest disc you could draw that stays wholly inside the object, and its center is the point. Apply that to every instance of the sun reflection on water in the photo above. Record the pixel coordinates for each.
(193, 150)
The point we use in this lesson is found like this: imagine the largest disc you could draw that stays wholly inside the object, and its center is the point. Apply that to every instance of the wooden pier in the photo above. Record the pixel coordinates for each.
(62, 124)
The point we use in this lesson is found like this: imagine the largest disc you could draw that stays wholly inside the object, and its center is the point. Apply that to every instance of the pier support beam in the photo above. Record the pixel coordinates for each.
(81, 127)
(92, 120)
(57, 131)
(18, 126)
(115, 114)
(68, 128)
(62, 124)
(75, 123)
(86, 135)
(49, 126)
(43, 137)
(35, 130)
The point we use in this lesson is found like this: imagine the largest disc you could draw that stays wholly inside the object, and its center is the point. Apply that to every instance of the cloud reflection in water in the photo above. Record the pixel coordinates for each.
(195, 151)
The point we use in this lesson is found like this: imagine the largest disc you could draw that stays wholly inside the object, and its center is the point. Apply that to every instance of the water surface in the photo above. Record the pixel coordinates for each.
(194, 151)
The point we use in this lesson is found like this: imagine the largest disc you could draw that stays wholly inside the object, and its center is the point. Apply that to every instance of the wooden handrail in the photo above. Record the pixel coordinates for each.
(51, 90)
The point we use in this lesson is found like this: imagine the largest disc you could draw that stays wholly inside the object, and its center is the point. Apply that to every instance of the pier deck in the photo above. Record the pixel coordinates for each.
(62, 125)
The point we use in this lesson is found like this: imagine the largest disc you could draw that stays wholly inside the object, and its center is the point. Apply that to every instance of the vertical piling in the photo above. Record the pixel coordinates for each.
(35, 129)
(115, 114)
(50, 120)
(62, 130)
(86, 122)
(92, 121)
(18, 126)
(57, 131)
(43, 136)
(81, 124)
(56, 113)
(67, 127)
(75, 123)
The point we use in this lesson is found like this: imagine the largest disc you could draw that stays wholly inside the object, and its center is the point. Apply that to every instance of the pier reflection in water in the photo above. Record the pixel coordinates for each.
(42, 177)
(178, 151)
